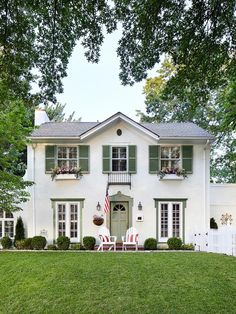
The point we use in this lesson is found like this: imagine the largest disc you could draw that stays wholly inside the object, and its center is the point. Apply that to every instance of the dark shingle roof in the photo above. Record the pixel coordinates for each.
(164, 130)
(174, 129)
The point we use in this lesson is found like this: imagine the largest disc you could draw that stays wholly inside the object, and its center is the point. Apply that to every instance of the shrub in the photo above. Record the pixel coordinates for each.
(189, 247)
(6, 242)
(28, 244)
(213, 224)
(76, 246)
(63, 243)
(89, 243)
(52, 247)
(150, 244)
(174, 243)
(20, 244)
(39, 242)
(20, 230)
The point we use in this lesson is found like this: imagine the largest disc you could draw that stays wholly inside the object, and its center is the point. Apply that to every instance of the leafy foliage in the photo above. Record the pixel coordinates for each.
(6, 242)
(162, 106)
(63, 243)
(174, 243)
(20, 230)
(150, 244)
(38, 242)
(89, 242)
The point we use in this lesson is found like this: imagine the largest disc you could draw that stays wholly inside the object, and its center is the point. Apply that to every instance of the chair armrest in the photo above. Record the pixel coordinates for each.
(113, 238)
(123, 238)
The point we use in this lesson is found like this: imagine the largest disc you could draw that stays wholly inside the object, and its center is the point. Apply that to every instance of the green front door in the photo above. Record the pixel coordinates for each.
(119, 219)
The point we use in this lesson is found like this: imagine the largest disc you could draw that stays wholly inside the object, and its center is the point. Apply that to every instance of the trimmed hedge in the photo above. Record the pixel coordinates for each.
(150, 244)
(89, 243)
(39, 242)
(174, 243)
(6, 242)
(63, 243)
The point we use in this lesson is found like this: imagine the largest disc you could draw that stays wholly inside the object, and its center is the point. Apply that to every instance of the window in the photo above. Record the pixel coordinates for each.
(170, 220)
(119, 159)
(67, 157)
(6, 224)
(67, 220)
(170, 157)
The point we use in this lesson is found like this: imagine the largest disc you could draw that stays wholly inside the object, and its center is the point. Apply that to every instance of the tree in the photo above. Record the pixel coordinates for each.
(199, 35)
(163, 107)
(56, 113)
(20, 230)
(13, 131)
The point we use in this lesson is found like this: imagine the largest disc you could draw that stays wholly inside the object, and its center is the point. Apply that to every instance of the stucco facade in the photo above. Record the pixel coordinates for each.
(187, 200)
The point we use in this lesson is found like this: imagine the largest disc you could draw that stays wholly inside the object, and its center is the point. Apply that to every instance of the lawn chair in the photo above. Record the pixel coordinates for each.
(106, 239)
(130, 239)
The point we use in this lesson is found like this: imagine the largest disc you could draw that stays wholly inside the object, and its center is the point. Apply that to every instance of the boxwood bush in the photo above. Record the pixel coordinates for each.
(89, 243)
(39, 242)
(63, 243)
(28, 244)
(52, 247)
(6, 242)
(150, 244)
(174, 243)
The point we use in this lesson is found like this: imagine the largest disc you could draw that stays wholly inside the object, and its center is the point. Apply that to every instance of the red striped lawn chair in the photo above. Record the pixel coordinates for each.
(106, 239)
(130, 239)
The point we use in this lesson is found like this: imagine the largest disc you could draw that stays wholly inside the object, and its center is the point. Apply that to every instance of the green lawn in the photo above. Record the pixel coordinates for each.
(58, 282)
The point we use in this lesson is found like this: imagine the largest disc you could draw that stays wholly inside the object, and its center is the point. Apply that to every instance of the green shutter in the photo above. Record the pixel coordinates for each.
(154, 158)
(105, 158)
(187, 158)
(50, 154)
(132, 158)
(84, 157)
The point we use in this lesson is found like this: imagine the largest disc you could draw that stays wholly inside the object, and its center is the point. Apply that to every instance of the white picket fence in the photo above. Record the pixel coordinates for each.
(222, 240)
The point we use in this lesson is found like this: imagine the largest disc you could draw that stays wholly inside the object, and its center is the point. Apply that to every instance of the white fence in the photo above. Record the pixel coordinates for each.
(222, 240)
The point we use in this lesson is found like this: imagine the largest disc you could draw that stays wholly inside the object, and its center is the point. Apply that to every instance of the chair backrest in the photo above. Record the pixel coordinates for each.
(104, 234)
(132, 235)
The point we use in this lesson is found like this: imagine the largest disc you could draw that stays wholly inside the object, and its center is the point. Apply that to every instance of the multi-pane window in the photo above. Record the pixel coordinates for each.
(119, 159)
(170, 220)
(6, 224)
(67, 156)
(68, 220)
(61, 219)
(176, 220)
(73, 220)
(164, 220)
(170, 157)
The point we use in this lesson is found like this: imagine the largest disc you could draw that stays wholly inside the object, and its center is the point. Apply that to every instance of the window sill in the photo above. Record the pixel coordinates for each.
(66, 176)
(171, 177)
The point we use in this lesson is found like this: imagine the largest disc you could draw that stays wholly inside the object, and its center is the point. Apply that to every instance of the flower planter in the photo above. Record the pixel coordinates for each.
(171, 177)
(66, 176)
(98, 221)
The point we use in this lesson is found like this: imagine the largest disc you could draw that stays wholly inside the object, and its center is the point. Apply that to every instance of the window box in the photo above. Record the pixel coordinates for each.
(172, 177)
(66, 176)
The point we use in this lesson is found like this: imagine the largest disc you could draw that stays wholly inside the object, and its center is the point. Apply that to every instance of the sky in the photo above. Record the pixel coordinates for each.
(94, 91)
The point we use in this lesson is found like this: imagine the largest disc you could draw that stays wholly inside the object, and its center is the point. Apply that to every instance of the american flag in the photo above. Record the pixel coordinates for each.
(107, 202)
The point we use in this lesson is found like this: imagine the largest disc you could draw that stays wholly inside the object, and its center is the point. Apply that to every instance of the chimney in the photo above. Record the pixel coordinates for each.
(40, 117)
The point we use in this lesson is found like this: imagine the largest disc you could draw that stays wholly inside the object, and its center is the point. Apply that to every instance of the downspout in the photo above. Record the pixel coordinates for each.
(205, 185)
(34, 145)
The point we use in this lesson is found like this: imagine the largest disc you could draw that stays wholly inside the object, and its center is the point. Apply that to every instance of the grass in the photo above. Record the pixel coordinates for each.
(67, 282)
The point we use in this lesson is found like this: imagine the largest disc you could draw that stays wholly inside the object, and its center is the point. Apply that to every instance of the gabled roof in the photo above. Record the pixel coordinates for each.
(82, 130)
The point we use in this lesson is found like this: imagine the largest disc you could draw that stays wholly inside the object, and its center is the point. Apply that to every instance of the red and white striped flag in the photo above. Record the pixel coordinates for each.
(107, 202)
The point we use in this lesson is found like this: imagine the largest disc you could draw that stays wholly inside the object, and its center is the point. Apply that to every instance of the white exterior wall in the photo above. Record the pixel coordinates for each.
(223, 200)
(145, 187)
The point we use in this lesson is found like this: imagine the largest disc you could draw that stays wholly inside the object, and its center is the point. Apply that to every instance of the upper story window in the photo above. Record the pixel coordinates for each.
(67, 157)
(119, 159)
(6, 224)
(170, 157)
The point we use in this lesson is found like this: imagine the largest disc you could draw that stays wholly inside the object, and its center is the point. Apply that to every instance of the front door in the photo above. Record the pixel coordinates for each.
(119, 219)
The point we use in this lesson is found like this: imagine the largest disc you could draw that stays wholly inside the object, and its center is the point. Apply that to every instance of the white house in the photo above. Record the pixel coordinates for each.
(126, 157)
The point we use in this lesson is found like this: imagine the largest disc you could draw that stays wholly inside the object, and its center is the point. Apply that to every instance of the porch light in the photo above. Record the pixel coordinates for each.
(98, 207)
(140, 206)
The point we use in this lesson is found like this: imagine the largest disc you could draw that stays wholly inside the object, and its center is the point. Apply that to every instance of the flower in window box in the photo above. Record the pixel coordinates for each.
(77, 171)
(177, 171)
